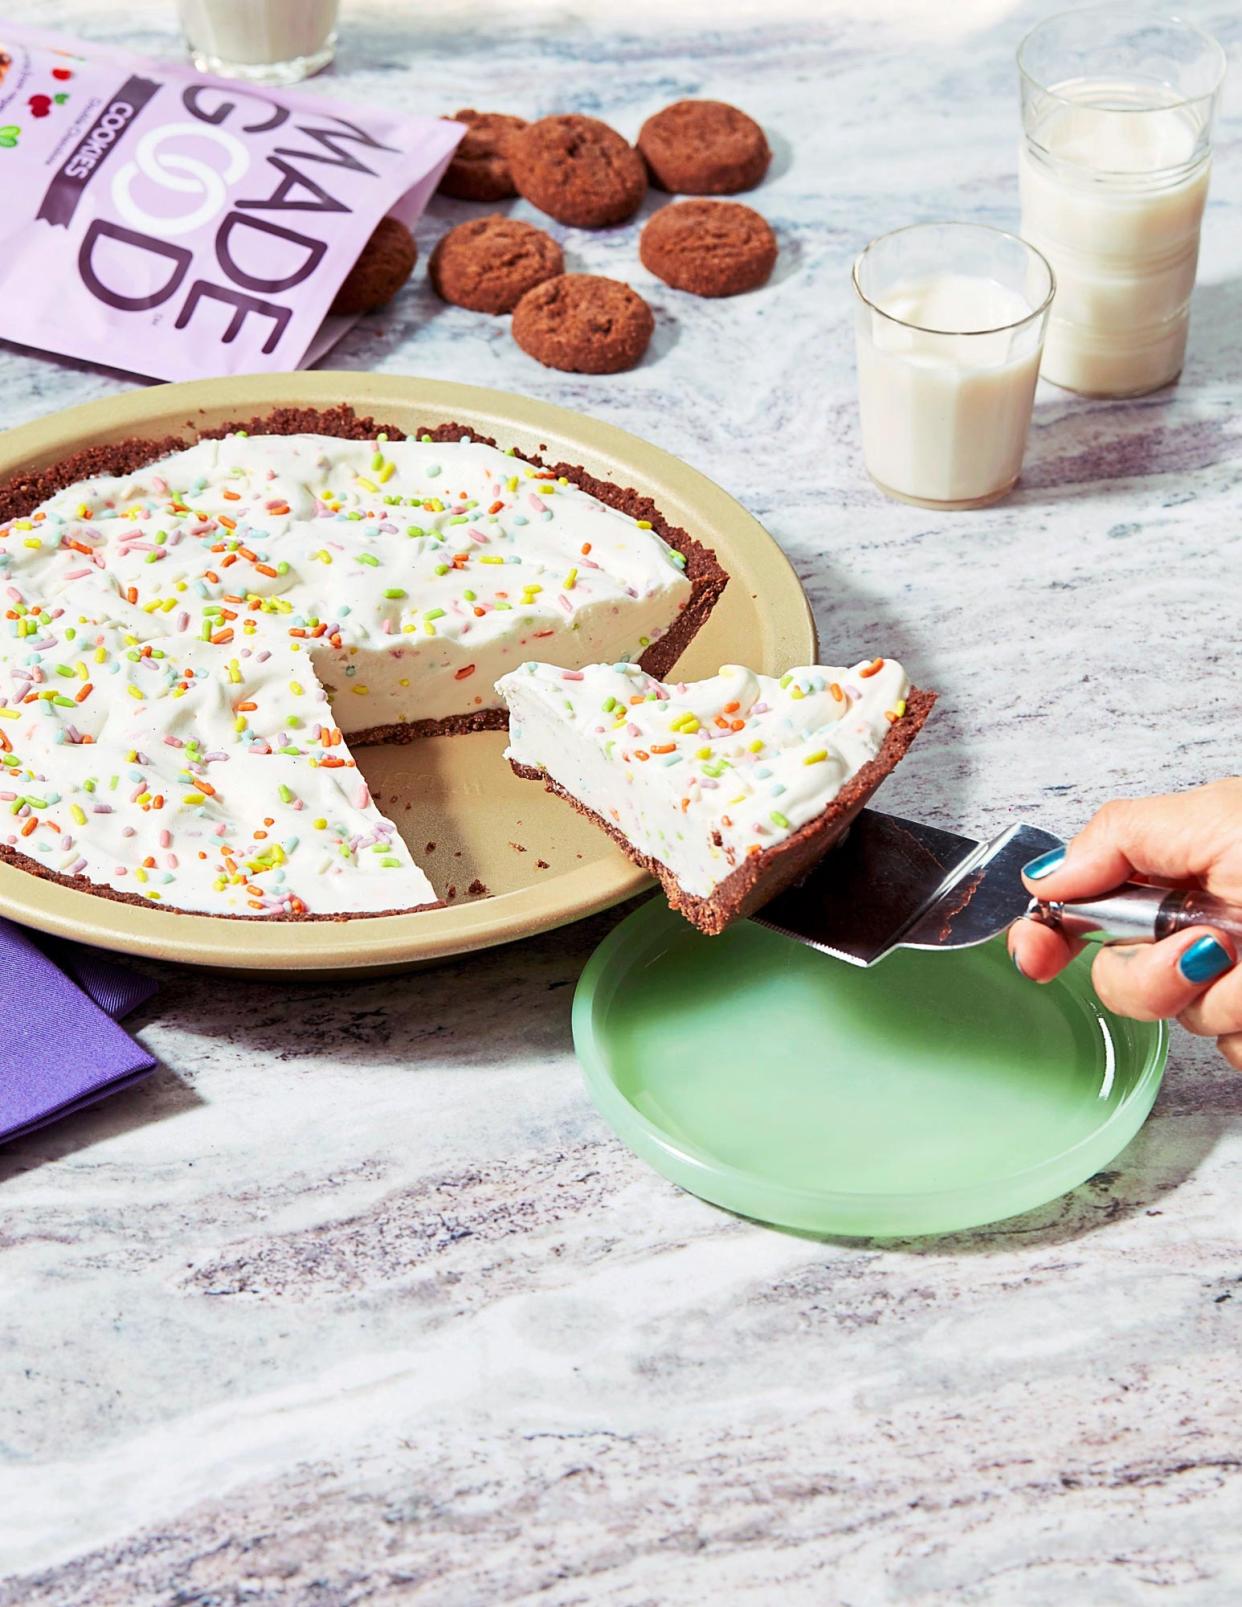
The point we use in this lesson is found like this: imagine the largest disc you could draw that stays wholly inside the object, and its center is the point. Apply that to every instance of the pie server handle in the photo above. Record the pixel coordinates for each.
(1136, 913)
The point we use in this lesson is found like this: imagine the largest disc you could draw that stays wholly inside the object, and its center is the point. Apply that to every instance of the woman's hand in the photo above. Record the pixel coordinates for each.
(1189, 839)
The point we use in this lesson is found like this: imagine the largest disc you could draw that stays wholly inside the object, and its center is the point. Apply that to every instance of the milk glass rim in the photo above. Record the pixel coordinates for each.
(1136, 19)
(952, 223)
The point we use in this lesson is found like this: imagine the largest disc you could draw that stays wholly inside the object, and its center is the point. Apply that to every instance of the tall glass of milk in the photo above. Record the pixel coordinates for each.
(262, 41)
(1117, 128)
(950, 325)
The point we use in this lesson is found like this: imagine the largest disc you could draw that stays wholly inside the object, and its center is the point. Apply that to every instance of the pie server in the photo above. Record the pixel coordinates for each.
(893, 883)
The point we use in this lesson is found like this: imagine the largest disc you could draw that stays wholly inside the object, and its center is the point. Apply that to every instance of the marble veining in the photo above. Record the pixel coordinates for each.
(358, 1301)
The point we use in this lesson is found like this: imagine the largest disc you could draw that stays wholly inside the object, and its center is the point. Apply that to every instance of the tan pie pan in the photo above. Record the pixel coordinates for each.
(541, 862)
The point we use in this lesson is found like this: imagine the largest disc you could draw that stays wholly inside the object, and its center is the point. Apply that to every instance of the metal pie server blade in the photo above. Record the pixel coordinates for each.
(893, 883)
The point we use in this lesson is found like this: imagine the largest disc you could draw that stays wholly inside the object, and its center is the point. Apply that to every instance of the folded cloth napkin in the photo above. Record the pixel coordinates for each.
(60, 1046)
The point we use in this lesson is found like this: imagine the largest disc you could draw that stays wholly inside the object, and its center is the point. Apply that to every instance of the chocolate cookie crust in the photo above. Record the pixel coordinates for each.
(704, 147)
(584, 324)
(710, 248)
(578, 170)
(490, 263)
(387, 261)
(479, 170)
(761, 877)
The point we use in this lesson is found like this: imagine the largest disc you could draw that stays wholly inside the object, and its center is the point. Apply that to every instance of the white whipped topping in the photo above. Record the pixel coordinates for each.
(699, 775)
(186, 645)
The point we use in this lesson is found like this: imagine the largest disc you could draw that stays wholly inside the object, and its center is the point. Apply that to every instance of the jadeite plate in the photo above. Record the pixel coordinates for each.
(931, 1093)
(544, 864)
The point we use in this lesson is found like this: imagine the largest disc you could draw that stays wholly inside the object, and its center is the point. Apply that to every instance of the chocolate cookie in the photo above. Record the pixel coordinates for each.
(584, 324)
(578, 170)
(490, 263)
(703, 147)
(387, 261)
(710, 248)
(479, 170)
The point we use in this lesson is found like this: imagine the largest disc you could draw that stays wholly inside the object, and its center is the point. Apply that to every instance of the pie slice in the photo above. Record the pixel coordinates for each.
(728, 789)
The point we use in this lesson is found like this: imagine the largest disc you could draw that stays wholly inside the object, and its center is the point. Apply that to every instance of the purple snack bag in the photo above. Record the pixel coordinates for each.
(182, 226)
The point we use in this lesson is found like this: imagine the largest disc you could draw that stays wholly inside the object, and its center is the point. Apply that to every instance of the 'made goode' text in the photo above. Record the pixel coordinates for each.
(335, 144)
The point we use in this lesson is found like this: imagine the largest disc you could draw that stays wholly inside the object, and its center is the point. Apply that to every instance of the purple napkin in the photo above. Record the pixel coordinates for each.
(60, 1046)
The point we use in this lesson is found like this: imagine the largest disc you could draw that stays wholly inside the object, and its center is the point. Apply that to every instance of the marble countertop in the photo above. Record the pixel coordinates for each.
(358, 1301)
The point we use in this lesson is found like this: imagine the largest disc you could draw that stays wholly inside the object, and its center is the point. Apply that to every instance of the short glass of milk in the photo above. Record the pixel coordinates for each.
(949, 319)
(1117, 113)
(262, 41)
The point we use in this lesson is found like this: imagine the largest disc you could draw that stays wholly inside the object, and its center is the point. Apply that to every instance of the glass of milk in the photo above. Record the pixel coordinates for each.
(950, 325)
(1117, 128)
(263, 41)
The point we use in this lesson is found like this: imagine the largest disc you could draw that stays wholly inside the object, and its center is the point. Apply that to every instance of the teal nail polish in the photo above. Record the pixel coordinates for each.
(1204, 961)
(1045, 864)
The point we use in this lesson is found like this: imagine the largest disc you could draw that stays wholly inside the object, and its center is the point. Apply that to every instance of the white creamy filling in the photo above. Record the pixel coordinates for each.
(699, 775)
(188, 646)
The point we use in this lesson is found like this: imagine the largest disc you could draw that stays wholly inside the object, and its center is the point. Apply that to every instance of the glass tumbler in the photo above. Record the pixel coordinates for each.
(950, 324)
(262, 41)
(1117, 115)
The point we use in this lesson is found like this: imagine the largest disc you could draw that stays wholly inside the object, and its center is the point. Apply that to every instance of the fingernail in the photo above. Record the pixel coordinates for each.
(1204, 961)
(1017, 963)
(1045, 864)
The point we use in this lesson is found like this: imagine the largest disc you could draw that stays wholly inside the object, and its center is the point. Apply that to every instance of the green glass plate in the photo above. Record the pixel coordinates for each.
(931, 1093)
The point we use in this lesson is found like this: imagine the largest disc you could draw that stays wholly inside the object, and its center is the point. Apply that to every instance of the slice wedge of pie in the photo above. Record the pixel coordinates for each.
(728, 789)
